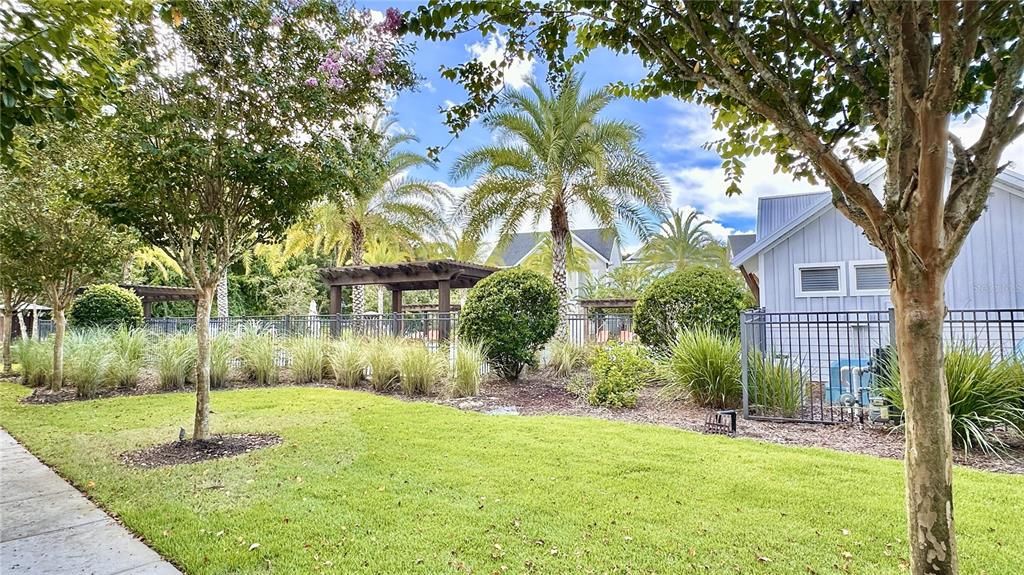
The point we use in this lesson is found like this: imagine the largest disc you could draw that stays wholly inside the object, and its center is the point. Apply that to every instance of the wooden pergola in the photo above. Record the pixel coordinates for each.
(150, 294)
(440, 275)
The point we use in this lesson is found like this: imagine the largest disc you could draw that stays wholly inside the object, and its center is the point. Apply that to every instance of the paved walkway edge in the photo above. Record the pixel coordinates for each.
(48, 527)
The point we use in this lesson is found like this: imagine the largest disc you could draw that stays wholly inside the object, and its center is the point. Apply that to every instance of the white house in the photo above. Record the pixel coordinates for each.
(601, 244)
(807, 257)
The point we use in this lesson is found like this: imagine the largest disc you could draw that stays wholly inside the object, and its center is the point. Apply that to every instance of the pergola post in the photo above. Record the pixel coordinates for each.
(396, 310)
(147, 308)
(444, 308)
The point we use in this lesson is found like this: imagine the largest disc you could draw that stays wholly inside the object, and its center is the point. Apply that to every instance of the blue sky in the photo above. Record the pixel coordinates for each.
(674, 131)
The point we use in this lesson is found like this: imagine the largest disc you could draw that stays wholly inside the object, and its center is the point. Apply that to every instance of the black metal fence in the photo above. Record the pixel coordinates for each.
(829, 366)
(431, 327)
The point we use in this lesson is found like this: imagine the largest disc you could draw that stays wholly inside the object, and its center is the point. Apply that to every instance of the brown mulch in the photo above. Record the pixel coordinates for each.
(539, 394)
(185, 452)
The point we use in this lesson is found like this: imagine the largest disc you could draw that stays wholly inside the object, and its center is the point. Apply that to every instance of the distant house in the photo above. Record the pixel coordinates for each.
(601, 244)
(807, 257)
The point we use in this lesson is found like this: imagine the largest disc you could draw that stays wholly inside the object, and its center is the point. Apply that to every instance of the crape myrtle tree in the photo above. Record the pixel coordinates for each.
(17, 288)
(818, 86)
(221, 125)
(49, 241)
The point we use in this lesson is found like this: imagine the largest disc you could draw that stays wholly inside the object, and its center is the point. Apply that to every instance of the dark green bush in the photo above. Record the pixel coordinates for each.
(512, 313)
(696, 297)
(618, 371)
(106, 305)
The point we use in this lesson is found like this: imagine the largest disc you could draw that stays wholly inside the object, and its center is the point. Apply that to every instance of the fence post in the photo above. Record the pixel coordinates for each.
(892, 329)
(745, 362)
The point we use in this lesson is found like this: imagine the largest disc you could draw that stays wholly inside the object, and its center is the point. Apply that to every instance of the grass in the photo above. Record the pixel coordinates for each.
(309, 358)
(420, 369)
(705, 367)
(35, 359)
(370, 484)
(467, 371)
(174, 358)
(258, 356)
(222, 349)
(127, 348)
(345, 358)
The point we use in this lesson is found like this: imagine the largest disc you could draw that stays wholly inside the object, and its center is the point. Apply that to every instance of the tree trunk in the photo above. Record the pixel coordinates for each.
(201, 430)
(358, 247)
(5, 333)
(920, 309)
(59, 323)
(559, 251)
(222, 295)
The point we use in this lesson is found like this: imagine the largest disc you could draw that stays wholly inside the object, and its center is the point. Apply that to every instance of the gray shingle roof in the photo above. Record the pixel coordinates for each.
(601, 240)
(740, 242)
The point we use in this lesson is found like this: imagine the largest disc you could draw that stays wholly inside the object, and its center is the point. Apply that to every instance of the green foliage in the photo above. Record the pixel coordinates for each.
(127, 349)
(579, 385)
(106, 305)
(619, 371)
(420, 369)
(565, 357)
(382, 358)
(778, 386)
(555, 153)
(986, 396)
(346, 360)
(258, 355)
(683, 242)
(626, 281)
(694, 298)
(467, 371)
(512, 313)
(86, 361)
(36, 360)
(222, 350)
(308, 359)
(175, 360)
(704, 366)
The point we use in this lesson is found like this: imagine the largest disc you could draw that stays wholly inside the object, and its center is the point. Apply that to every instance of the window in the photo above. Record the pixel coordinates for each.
(869, 278)
(817, 280)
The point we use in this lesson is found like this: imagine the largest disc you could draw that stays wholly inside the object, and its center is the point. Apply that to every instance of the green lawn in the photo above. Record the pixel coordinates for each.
(367, 484)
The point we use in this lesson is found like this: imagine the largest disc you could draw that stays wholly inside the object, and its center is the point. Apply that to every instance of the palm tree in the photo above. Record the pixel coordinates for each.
(377, 201)
(453, 245)
(555, 155)
(683, 241)
(542, 258)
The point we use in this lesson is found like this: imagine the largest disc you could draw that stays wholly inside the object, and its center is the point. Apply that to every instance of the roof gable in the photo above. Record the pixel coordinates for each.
(601, 241)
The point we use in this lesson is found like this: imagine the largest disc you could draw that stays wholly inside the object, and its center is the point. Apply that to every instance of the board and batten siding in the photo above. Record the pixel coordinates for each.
(988, 273)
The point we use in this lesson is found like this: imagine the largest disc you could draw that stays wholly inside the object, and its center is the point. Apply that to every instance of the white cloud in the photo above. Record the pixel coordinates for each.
(516, 73)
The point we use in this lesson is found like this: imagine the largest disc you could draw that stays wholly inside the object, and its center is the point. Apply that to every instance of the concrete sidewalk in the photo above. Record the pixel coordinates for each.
(47, 526)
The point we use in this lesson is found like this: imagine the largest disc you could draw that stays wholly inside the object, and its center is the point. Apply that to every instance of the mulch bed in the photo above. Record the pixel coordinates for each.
(538, 394)
(185, 452)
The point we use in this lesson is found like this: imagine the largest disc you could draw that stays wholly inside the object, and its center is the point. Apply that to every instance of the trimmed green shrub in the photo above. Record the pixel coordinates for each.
(308, 359)
(696, 297)
(258, 356)
(86, 358)
(778, 386)
(382, 359)
(174, 357)
(565, 357)
(127, 357)
(619, 371)
(984, 395)
(705, 367)
(578, 385)
(513, 313)
(222, 347)
(105, 305)
(467, 371)
(36, 360)
(345, 358)
(419, 368)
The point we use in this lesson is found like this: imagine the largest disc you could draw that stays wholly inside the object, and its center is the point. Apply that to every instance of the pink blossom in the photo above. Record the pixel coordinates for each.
(337, 83)
(392, 20)
(312, 82)
(276, 21)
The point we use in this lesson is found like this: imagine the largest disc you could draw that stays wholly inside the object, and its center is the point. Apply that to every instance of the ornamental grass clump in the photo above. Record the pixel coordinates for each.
(174, 357)
(36, 360)
(467, 370)
(258, 356)
(222, 351)
(308, 359)
(565, 357)
(986, 397)
(345, 358)
(704, 366)
(86, 359)
(778, 386)
(382, 355)
(127, 350)
(419, 368)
